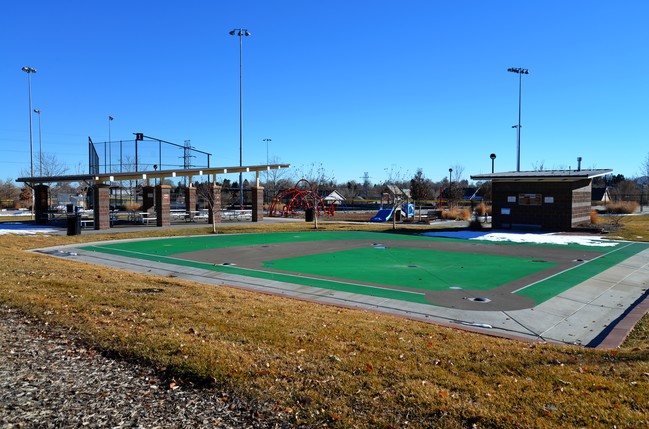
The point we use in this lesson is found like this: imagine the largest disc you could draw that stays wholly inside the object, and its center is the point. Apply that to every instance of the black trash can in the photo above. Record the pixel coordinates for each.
(74, 224)
(308, 214)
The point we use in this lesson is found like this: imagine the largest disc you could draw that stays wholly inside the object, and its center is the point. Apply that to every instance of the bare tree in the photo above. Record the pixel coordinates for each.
(129, 165)
(9, 193)
(643, 182)
(274, 177)
(394, 176)
(350, 190)
(316, 175)
(644, 169)
(25, 197)
(421, 188)
(205, 191)
(458, 173)
(538, 166)
(50, 166)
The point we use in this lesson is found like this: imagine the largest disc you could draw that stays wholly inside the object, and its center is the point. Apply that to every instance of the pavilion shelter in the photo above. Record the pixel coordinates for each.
(541, 200)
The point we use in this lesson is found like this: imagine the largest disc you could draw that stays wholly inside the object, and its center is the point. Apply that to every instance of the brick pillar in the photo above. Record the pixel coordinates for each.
(190, 200)
(41, 203)
(257, 203)
(147, 197)
(163, 205)
(214, 215)
(101, 205)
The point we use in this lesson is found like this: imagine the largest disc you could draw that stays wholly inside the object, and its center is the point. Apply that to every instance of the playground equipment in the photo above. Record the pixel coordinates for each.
(301, 197)
(394, 209)
(384, 215)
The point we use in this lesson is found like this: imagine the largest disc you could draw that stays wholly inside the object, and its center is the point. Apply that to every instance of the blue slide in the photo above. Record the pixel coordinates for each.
(383, 215)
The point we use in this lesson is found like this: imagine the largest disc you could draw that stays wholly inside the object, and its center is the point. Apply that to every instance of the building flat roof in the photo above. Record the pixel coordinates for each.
(542, 176)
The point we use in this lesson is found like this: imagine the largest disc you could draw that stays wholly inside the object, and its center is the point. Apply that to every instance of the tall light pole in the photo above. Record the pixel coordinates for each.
(520, 73)
(29, 72)
(40, 143)
(241, 32)
(493, 158)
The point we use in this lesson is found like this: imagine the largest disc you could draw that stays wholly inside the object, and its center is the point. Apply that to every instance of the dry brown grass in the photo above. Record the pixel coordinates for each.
(482, 209)
(457, 213)
(622, 207)
(132, 206)
(322, 365)
(594, 217)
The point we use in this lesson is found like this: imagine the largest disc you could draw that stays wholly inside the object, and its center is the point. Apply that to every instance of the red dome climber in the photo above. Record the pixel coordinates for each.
(301, 197)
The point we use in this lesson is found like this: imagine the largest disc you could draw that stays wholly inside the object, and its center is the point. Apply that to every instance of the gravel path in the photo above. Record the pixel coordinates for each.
(48, 379)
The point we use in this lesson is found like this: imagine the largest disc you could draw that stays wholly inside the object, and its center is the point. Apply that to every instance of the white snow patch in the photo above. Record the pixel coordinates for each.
(550, 238)
(23, 229)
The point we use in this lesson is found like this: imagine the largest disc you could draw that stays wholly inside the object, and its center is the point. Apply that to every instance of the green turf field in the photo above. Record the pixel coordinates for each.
(413, 268)
(396, 272)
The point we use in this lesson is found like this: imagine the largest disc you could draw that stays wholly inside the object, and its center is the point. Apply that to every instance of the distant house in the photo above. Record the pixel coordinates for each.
(334, 198)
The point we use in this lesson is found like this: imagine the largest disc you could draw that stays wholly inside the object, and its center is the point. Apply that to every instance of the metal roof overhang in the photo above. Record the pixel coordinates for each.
(155, 174)
(542, 176)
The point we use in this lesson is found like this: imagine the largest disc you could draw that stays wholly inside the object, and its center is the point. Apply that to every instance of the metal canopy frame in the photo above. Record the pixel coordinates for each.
(155, 174)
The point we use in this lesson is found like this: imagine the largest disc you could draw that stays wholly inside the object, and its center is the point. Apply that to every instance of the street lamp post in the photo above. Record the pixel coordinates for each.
(241, 32)
(450, 170)
(110, 146)
(267, 162)
(29, 72)
(267, 141)
(493, 158)
(40, 143)
(520, 72)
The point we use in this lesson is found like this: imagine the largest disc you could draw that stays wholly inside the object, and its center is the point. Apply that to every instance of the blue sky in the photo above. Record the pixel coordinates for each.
(352, 86)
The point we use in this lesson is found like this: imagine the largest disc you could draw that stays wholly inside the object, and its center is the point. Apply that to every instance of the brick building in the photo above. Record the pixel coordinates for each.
(547, 200)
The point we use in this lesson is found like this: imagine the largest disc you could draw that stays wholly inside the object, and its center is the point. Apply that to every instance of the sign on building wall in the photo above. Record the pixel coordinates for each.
(530, 199)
